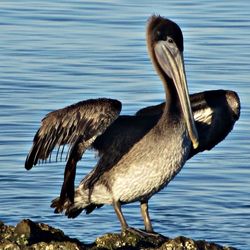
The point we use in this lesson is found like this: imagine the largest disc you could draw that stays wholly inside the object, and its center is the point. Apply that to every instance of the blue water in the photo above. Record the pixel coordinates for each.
(54, 53)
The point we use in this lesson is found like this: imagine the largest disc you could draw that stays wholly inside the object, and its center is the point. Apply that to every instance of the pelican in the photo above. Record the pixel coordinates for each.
(138, 154)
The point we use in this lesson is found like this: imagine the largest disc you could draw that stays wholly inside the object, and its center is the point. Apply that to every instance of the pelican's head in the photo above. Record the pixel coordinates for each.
(165, 46)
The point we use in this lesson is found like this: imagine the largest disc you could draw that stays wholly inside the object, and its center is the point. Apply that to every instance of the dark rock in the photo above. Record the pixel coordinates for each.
(29, 235)
(131, 239)
(189, 244)
(27, 229)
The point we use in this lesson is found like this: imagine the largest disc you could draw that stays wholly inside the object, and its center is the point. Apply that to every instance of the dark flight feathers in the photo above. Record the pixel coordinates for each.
(78, 126)
(80, 122)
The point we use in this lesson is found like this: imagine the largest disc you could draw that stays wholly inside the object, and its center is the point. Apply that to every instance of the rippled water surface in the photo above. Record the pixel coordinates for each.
(54, 53)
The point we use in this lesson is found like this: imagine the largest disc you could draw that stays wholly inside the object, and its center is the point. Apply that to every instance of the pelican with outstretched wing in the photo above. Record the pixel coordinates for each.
(138, 154)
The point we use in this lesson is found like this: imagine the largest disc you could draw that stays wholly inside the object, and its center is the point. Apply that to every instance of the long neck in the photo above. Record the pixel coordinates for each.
(172, 99)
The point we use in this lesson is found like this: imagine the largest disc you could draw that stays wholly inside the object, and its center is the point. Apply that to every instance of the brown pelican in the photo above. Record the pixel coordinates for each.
(139, 154)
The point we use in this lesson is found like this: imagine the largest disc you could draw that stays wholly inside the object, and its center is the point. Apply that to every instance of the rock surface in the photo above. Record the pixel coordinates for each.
(28, 235)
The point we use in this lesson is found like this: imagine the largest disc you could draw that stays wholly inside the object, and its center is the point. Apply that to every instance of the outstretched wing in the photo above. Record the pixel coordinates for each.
(215, 113)
(78, 126)
(82, 121)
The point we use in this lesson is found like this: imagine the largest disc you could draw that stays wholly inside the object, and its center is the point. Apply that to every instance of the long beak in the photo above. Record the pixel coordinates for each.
(172, 63)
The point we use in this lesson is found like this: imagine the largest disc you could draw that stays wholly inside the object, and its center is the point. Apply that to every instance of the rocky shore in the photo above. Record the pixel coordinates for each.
(29, 235)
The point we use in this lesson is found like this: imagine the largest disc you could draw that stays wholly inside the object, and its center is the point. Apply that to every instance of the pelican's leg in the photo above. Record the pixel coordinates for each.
(118, 210)
(145, 216)
(125, 227)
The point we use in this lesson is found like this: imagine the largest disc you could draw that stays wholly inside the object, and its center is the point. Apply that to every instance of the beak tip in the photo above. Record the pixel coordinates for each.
(195, 144)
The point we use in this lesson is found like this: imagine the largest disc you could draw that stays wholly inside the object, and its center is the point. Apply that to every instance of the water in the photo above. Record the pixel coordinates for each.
(54, 53)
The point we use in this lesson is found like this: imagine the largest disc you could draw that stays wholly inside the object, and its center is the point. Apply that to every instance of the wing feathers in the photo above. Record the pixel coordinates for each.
(84, 119)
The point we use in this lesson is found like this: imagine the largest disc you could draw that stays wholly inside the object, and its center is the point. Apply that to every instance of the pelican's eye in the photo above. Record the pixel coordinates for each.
(170, 40)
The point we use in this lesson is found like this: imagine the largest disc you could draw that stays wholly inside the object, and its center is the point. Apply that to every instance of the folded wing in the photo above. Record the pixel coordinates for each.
(215, 113)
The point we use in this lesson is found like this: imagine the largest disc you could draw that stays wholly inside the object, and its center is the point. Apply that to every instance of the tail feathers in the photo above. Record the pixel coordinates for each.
(73, 212)
(73, 209)
(90, 208)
